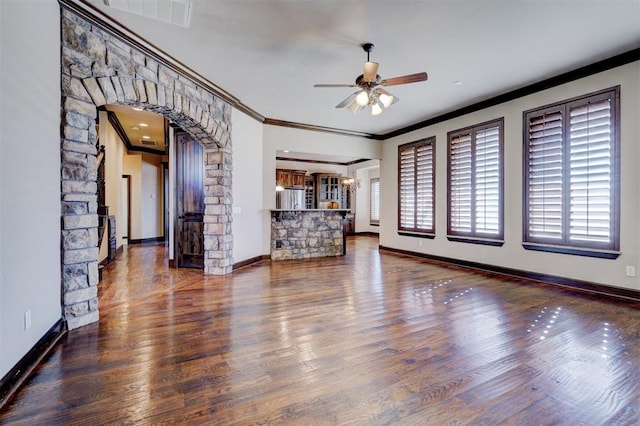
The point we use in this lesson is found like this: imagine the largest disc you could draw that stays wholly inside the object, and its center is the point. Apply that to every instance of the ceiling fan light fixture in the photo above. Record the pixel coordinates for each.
(386, 100)
(375, 109)
(371, 92)
(362, 98)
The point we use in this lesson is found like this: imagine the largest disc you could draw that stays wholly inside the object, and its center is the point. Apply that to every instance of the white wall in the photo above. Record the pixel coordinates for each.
(512, 255)
(29, 174)
(248, 217)
(364, 174)
(297, 140)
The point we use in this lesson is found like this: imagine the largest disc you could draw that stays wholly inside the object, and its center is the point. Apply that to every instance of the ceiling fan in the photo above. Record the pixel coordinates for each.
(371, 85)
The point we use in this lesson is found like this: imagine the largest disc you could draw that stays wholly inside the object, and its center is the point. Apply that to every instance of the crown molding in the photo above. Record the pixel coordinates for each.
(313, 127)
(576, 74)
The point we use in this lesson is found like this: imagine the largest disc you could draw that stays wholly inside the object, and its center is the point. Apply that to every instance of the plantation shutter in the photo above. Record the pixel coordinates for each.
(416, 186)
(461, 183)
(572, 176)
(545, 176)
(374, 208)
(424, 187)
(590, 170)
(407, 188)
(487, 189)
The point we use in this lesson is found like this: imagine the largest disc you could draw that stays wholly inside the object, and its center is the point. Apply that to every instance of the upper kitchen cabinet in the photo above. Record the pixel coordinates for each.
(287, 178)
(328, 190)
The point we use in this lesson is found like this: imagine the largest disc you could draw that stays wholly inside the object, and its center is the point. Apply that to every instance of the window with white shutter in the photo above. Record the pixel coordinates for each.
(374, 202)
(475, 184)
(416, 188)
(571, 176)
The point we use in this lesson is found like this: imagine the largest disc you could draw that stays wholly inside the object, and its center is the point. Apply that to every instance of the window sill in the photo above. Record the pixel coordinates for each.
(602, 254)
(416, 235)
(472, 240)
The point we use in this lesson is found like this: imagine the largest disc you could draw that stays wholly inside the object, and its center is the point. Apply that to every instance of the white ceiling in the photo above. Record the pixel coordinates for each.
(269, 53)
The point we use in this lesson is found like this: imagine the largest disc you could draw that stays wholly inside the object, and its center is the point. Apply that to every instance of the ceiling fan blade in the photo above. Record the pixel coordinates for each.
(347, 101)
(411, 78)
(335, 85)
(370, 71)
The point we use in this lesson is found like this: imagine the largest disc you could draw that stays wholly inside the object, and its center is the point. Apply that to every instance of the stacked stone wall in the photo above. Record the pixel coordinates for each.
(100, 67)
(302, 234)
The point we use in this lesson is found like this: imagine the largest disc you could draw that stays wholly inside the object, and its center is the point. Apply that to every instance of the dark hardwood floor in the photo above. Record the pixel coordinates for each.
(367, 338)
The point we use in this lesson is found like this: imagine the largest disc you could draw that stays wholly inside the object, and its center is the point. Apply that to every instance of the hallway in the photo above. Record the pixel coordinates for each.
(366, 338)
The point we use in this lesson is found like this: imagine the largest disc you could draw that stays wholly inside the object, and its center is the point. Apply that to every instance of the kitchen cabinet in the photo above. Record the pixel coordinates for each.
(350, 224)
(287, 178)
(309, 193)
(297, 176)
(328, 190)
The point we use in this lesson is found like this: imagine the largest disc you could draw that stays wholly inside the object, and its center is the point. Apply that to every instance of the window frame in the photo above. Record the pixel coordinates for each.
(593, 249)
(473, 236)
(372, 221)
(416, 231)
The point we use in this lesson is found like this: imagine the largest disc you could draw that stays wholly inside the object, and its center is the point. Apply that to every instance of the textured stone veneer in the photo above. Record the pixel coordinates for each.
(100, 68)
(301, 234)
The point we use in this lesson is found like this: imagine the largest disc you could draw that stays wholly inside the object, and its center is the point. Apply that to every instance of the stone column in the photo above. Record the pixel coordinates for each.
(218, 237)
(79, 215)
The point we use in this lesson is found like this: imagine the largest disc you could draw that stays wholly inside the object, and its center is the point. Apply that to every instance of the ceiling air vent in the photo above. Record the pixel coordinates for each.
(176, 12)
(147, 142)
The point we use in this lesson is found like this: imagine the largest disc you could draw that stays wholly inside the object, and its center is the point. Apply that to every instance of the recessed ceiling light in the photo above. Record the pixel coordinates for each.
(146, 137)
(457, 83)
(138, 109)
(286, 150)
(135, 128)
(143, 125)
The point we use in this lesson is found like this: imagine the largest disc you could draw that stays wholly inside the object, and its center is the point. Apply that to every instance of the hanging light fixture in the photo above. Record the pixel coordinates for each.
(362, 98)
(375, 109)
(371, 92)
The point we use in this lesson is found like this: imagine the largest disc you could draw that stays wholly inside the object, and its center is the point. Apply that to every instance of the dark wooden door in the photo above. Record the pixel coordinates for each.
(190, 202)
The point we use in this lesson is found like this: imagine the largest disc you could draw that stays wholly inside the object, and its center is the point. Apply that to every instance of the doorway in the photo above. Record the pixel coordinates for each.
(189, 202)
(125, 211)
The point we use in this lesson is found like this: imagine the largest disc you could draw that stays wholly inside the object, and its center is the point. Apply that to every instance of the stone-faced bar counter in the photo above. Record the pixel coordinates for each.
(302, 234)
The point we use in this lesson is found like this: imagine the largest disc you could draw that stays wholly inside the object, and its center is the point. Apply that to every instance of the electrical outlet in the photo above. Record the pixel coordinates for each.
(631, 271)
(420, 243)
(27, 320)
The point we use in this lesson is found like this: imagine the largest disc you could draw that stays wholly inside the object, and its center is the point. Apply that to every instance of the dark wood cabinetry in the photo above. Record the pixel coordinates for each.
(350, 224)
(290, 178)
(309, 193)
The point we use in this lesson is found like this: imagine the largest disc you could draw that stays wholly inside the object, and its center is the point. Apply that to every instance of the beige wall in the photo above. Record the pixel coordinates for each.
(512, 255)
(30, 278)
(248, 209)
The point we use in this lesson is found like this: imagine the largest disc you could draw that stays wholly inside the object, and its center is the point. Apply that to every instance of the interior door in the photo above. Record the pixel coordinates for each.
(190, 202)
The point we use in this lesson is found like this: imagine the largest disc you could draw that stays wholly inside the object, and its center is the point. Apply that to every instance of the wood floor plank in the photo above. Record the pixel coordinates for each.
(366, 338)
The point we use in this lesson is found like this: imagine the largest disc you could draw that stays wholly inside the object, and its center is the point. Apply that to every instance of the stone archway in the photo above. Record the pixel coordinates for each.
(99, 67)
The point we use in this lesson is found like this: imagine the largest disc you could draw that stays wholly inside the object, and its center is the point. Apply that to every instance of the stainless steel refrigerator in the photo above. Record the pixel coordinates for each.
(290, 199)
